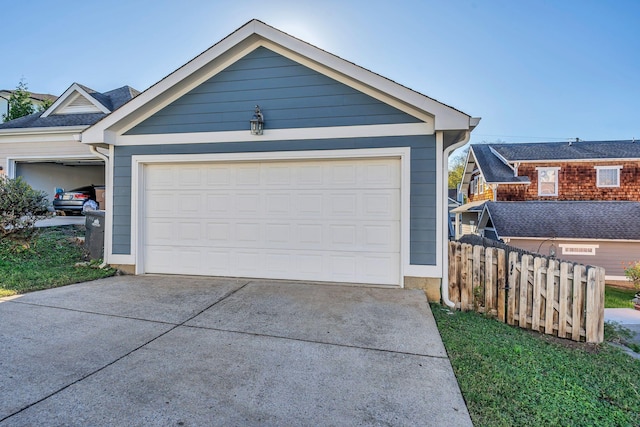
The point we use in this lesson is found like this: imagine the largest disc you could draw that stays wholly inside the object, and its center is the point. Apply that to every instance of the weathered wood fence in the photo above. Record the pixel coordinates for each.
(545, 295)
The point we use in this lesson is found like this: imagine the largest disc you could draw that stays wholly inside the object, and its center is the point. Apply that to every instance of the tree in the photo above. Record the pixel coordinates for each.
(456, 167)
(19, 103)
(46, 103)
(20, 207)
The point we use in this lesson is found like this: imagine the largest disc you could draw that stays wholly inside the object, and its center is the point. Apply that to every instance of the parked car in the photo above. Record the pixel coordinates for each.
(72, 201)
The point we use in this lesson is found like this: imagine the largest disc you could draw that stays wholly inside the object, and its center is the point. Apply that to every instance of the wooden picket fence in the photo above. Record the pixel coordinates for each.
(537, 293)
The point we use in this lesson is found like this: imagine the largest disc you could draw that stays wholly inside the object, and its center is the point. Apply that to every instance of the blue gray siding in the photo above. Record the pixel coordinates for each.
(424, 203)
(290, 95)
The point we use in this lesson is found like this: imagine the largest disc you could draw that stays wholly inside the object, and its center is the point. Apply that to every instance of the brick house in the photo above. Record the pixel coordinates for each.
(598, 173)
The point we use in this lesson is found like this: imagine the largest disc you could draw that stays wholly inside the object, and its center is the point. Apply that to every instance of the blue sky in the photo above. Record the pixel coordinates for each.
(533, 70)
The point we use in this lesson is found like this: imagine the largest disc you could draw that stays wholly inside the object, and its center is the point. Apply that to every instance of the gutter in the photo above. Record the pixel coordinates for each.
(444, 286)
(105, 158)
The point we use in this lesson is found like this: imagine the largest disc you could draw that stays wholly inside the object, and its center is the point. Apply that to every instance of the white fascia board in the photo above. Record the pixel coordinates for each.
(68, 93)
(41, 131)
(446, 118)
(405, 129)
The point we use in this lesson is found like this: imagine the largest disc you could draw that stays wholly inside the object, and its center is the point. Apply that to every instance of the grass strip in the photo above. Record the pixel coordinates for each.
(618, 297)
(48, 262)
(510, 376)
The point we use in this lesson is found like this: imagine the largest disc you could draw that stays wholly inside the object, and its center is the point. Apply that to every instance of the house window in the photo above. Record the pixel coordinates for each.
(474, 186)
(571, 249)
(548, 181)
(608, 176)
(480, 185)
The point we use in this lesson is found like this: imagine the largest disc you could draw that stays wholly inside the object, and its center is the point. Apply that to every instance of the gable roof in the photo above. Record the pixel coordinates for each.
(491, 166)
(255, 34)
(109, 101)
(609, 220)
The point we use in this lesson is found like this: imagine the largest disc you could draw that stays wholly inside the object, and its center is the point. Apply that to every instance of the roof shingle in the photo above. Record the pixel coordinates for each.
(616, 220)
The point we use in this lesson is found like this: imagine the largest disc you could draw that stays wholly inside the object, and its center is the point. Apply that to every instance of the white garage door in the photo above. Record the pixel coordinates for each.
(324, 220)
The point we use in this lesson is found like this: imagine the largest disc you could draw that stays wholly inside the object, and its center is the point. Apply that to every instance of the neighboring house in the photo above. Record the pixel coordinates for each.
(44, 148)
(347, 182)
(37, 100)
(603, 233)
(583, 170)
(556, 171)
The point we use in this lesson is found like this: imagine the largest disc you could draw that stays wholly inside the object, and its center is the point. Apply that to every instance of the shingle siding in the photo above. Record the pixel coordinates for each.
(290, 95)
(576, 181)
(424, 204)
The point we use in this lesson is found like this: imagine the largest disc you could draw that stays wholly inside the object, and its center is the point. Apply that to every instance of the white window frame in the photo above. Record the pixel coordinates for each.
(556, 170)
(578, 249)
(601, 168)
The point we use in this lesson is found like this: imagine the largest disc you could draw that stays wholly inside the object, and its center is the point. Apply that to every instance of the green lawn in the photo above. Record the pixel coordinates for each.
(48, 262)
(512, 377)
(618, 297)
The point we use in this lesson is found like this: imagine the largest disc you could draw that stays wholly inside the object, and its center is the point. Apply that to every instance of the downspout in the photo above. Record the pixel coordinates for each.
(444, 286)
(105, 158)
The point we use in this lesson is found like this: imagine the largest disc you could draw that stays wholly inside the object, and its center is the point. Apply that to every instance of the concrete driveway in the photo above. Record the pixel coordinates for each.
(186, 351)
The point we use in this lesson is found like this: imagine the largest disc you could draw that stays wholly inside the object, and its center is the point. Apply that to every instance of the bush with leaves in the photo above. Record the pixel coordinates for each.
(633, 273)
(20, 207)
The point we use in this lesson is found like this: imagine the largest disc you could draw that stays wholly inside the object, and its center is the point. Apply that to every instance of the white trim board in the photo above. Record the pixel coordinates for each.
(137, 172)
(364, 131)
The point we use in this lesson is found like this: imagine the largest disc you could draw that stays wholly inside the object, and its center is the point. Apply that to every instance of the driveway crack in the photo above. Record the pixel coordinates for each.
(256, 334)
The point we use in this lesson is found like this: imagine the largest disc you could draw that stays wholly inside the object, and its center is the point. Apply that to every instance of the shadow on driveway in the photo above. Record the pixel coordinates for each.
(173, 350)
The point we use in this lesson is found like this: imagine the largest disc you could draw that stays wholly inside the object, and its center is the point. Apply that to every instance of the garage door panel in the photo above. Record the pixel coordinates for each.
(320, 220)
(160, 177)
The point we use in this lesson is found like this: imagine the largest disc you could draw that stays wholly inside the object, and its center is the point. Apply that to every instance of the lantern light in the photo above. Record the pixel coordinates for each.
(257, 122)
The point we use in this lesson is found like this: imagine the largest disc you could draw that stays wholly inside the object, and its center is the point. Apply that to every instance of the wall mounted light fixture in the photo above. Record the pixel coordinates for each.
(257, 122)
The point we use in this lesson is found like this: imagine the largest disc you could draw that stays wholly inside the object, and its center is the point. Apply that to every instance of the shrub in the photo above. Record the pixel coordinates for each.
(633, 273)
(20, 207)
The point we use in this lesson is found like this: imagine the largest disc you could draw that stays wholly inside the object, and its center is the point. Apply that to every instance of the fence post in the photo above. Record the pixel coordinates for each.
(550, 296)
(513, 288)
(524, 287)
(501, 284)
(577, 301)
(563, 300)
(454, 286)
(478, 255)
(539, 269)
(489, 281)
(594, 323)
(464, 277)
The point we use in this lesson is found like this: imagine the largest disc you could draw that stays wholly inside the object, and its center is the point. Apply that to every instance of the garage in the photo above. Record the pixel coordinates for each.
(60, 173)
(335, 220)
